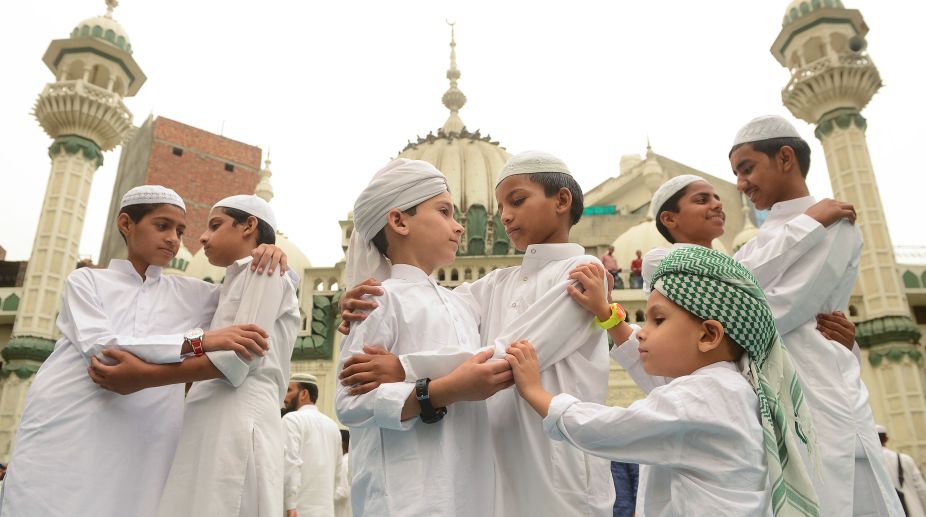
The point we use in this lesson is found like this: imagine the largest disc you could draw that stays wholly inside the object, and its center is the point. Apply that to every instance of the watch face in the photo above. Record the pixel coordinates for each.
(194, 334)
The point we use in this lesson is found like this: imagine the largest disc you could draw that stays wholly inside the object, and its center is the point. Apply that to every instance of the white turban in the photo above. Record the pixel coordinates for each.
(401, 184)
(880, 429)
(253, 205)
(150, 194)
(305, 378)
(669, 189)
(765, 128)
(532, 162)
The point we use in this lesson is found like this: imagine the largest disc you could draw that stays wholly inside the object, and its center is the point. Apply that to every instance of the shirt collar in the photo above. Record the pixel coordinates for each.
(124, 266)
(236, 268)
(538, 255)
(787, 210)
(308, 407)
(726, 365)
(409, 273)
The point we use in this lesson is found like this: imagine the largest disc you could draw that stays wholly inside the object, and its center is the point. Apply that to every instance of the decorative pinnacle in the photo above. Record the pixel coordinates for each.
(453, 98)
(110, 5)
(264, 190)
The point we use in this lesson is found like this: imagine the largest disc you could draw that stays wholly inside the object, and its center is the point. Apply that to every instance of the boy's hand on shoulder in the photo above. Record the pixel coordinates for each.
(837, 327)
(366, 371)
(829, 211)
(478, 378)
(352, 305)
(126, 376)
(589, 293)
(241, 339)
(268, 257)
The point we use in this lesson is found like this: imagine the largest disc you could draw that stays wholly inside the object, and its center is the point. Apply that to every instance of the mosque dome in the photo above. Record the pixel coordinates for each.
(644, 237)
(799, 8)
(104, 28)
(749, 229)
(180, 263)
(297, 260)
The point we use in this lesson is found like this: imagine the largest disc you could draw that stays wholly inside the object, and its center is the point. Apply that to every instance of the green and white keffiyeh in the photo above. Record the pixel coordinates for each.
(711, 285)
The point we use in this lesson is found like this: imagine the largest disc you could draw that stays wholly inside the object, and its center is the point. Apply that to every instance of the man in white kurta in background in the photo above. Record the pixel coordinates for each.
(312, 453)
(342, 486)
(771, 162)
(83, 450)
(911, 483)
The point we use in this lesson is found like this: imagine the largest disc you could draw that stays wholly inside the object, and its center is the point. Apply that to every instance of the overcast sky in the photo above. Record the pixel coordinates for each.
(335, 89)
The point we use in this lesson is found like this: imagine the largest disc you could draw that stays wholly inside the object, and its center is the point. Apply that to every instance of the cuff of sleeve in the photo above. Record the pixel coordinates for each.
(627, 353)
(387, 408)
(806, 224)
(232, 367)
(410, 375)
(558, 406)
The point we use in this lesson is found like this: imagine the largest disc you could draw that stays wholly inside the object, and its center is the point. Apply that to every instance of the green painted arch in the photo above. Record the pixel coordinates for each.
(11, 303)
(923, 278)
(910, 281)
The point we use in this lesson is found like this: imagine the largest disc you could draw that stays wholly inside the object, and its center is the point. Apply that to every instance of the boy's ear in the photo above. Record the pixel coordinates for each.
(250, 226)
(563, 201)
(712, 333)
(123, 223)
(787, 160)
(395, 220)
(667, 218)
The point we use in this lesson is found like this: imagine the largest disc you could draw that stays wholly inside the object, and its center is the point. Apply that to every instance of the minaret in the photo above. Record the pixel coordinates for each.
(83, 113)
(832, 79)
(453, 98)
(264, 190)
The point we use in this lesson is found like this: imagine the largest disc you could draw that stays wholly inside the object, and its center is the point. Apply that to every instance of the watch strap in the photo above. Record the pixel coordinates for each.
(429, 414)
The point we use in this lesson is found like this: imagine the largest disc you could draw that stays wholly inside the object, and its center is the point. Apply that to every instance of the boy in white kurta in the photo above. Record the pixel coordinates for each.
(83, 450)
(771, 162)
(719, 434)
(539, 202)
(410, 453)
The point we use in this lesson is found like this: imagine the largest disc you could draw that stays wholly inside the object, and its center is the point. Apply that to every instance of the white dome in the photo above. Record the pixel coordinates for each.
(106, 29)
(644, 237)
(297, 260)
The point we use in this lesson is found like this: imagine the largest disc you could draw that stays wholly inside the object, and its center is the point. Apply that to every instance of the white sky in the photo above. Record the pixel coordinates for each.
(335, 89)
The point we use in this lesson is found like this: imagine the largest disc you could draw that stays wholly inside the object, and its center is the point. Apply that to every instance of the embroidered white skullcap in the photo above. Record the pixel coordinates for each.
(880, 429)
(532, 162)
(669, 189)
(306, 378)
(149, 194)
(765, 128)
(253, 205)
(401, 184)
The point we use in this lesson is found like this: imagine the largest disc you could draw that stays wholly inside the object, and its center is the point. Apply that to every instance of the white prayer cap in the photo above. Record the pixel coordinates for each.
(148, 194)
(253, 205)
(669, 189)
(765, 128)
(532, 162)
(880, 429)
(306, 378)
(401, 184)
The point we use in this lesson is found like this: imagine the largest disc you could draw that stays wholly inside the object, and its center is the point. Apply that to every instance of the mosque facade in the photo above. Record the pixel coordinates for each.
(833, 77)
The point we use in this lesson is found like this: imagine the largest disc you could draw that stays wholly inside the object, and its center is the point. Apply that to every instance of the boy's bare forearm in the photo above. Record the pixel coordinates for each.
(190, 370)
(620, 332)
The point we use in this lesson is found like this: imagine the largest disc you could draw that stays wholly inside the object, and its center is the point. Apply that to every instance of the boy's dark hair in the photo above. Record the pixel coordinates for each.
(265, 234)
(379, 240)
(137, 212)
(553, 181)
(771, 147)
(311, 388)
(671, 205)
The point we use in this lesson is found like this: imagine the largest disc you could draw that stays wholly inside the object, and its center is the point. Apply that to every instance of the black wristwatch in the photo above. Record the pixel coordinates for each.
(429, 414)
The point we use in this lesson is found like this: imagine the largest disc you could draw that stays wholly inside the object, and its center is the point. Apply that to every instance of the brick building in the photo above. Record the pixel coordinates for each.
(201, 166)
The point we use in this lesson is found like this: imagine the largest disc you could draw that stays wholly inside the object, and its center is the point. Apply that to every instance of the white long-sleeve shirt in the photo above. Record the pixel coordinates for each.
(231, 448)
(410, 467)
(342, 489)
(312, 462)
(83, 450)
(805, 270)
(914, 488)
(699, 437)
(537, 476)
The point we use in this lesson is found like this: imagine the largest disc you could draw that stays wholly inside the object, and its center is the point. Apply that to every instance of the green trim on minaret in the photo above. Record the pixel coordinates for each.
(23, 355)
(894, 355)
(887, 329)
(841, 118)
(73, 144)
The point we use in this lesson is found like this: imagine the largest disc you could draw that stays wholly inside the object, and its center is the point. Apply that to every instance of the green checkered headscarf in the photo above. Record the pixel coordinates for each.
(713, 286)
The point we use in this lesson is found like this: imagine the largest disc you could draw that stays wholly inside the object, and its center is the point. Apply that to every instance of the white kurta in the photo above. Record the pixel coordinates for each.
(805, 270)
(342, 489)
(538, 476)
(914, 488)
(83, 450)
(698, 439)
(312, 462)
(231, 448)
(412, 468)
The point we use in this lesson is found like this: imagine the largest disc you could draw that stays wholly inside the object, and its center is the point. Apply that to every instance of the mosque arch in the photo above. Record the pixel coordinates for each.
(100, 76)
(853, 311)
(924, 278)
(638, 316)
(75, 70)
(454, 275)
(910, 281)
(814, 49)
(468, 274)
(441, 275)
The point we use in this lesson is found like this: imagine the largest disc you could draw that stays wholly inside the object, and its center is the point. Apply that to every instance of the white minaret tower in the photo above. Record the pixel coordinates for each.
(83, 113)
(832, 79)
